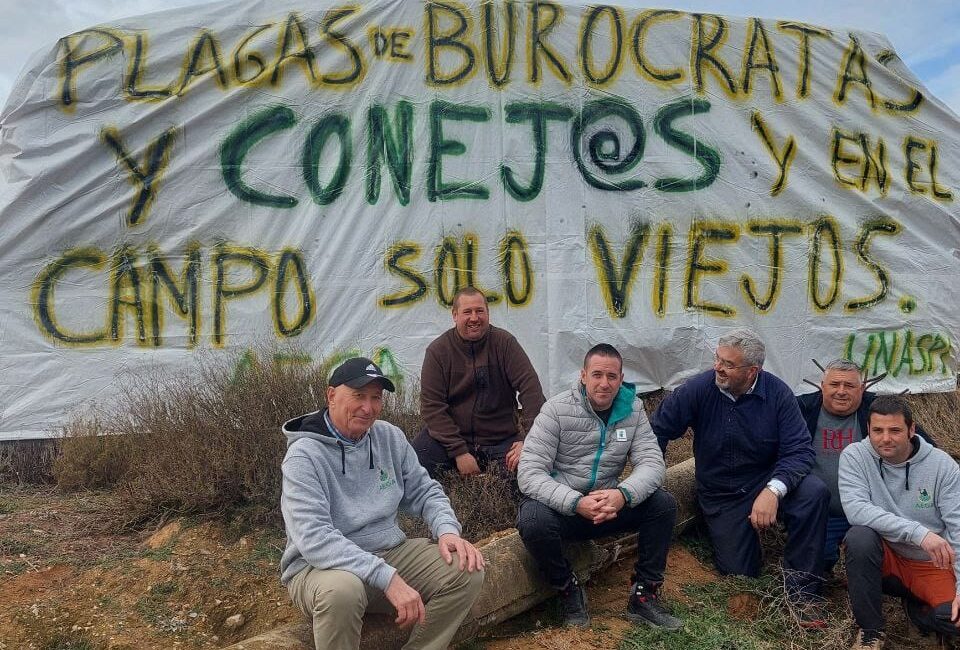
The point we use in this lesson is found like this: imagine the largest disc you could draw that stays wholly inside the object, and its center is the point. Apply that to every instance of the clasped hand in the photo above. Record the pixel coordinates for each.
(601, 505)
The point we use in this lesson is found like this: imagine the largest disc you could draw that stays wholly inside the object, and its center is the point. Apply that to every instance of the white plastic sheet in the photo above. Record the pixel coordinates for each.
(321, 177)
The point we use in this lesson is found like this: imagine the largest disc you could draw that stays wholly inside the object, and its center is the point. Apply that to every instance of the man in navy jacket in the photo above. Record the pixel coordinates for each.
(753, 458)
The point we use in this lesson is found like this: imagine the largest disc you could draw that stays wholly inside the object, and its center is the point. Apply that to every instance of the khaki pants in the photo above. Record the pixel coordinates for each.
(336, 600)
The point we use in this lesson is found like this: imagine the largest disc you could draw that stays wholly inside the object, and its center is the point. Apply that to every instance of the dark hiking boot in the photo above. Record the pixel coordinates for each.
(573, 604)
(644, 607)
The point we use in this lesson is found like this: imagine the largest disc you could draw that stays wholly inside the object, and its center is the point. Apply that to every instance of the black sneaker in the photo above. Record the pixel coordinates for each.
(573, 604)
(644, 607)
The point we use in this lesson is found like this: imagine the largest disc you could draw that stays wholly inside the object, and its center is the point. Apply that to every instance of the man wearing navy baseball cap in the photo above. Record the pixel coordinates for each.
(345, 476)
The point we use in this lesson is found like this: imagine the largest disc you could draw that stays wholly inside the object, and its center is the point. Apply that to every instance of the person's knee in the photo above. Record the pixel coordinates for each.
(472, 583)
(462, 586)
(812, 493)
(664, 503)
(736, 548)
(861, 541)
(344, 598)
(536, 521)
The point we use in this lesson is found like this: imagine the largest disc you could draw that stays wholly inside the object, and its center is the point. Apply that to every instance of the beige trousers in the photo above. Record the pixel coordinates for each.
(336, 600)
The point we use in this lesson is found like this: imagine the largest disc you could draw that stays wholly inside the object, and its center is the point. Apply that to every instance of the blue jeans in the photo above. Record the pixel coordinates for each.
(837, 527)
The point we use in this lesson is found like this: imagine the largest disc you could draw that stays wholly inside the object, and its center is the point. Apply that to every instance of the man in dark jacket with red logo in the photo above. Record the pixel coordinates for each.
(836, 417)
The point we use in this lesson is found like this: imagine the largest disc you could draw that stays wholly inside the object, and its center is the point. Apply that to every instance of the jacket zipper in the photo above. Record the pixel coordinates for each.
(596, 459)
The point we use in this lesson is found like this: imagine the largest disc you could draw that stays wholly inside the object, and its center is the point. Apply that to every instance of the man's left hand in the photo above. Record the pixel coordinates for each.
(955, 611)
(512, 458)
(764, 512)
(612, 501)
(470, 558)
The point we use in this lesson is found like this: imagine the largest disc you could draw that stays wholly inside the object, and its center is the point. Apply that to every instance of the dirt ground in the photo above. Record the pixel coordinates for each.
(69, 585)
(607, 595)
(70, 582)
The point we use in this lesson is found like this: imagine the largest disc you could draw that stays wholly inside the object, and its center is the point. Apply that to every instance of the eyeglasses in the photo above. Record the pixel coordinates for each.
(728, 365)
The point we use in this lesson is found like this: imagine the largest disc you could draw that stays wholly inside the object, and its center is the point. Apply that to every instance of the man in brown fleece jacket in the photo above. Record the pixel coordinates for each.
(468, 393)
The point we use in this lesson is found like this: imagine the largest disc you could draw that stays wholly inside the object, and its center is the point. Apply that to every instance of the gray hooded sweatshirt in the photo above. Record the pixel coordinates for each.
(903, 501)
(340, 501)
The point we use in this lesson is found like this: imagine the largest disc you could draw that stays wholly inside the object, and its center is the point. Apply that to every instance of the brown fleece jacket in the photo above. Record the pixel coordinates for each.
(468, 388)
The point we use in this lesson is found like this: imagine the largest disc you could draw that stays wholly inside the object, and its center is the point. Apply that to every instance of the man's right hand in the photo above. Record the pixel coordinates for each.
(406, 600)
(590, 506)
(467, 465)
(939, 549)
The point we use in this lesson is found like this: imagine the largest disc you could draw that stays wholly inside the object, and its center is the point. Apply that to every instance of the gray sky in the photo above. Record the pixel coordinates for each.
(926, 34)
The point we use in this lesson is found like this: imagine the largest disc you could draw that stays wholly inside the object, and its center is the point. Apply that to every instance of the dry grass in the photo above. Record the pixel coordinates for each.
(208, 443)
(27, 462)
(678, 450)
(484, 504)
(939, 415)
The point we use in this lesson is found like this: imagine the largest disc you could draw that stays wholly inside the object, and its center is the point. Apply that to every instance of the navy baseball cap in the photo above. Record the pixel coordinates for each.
(358, 372)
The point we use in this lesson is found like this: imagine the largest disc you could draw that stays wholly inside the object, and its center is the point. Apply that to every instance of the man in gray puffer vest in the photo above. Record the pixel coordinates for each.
(569, 474)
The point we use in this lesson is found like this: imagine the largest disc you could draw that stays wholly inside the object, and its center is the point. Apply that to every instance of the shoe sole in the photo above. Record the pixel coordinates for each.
(581, 626)
(636, 618)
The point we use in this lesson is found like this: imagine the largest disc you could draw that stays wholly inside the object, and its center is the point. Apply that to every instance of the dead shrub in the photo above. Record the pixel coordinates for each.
(484, 504)
(27, 462)
(678, 450)
(939, 415)
(205, 443)
(89, 458)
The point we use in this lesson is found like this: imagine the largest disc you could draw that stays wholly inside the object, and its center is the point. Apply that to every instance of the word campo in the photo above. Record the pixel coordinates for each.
(145, 285)
(599, 45)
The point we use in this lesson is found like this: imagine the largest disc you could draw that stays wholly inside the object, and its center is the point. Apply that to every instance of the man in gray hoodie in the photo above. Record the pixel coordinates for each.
(345, 476)
(902, 499)
(569, 474)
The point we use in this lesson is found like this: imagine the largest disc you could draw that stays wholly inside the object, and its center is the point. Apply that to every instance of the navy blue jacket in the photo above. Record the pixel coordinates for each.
(738, 446)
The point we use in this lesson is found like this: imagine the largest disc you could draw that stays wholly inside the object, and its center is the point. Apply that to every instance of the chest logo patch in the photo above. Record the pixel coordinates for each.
(924, 499)
(385, 480)
(621, 435)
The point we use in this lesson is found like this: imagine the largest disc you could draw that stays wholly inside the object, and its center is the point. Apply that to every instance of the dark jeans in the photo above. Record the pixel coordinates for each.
(866, 584)
(736, 546)
(837, 528)
(433, 456)
(543, 531)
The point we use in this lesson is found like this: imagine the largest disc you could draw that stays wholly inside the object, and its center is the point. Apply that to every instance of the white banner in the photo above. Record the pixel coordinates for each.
(322, 177)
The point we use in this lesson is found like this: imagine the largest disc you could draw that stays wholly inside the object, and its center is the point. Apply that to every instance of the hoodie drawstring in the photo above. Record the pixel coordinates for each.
(343, 457)
(906, 468)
